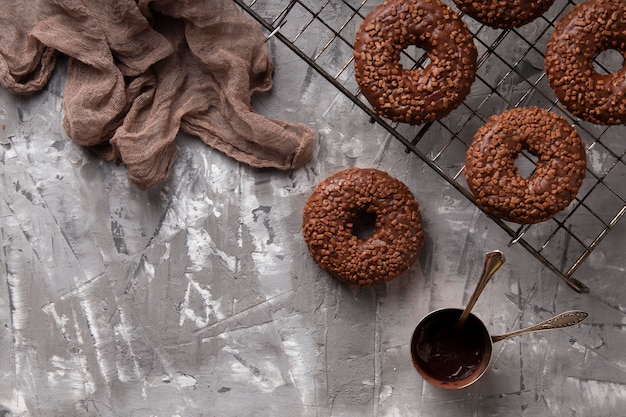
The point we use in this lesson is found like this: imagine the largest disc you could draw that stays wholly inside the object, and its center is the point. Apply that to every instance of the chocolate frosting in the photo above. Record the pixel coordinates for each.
(493, 177)
(447, 355)
(414, 96)
(516, 13)
(589, 29)
(329, 218)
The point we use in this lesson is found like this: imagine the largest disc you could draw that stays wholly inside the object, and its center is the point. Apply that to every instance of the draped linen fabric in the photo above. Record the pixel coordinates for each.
(140, 71)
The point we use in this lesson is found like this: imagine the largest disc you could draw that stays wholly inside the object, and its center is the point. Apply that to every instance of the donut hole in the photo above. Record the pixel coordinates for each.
(526, 164)
(413, 57)
(608, 62)
(364, 224)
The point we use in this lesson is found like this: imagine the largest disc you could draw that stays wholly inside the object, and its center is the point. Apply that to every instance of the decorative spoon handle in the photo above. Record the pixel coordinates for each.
(569, 318)
(493, 261)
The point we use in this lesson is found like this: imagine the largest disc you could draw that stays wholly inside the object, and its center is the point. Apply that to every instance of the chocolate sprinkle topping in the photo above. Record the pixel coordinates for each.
(339, 202)
(504, 14)
(494, 179)
(589, 29)
(414, 96)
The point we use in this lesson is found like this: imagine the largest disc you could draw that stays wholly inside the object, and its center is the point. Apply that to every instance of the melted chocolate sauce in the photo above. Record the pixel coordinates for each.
(448, 354)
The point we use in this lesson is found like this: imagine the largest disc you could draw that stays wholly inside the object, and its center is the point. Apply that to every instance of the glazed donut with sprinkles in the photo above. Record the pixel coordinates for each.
(516, 13)
(415, 96)
(495, 180)
(590, 28)
(363, 226)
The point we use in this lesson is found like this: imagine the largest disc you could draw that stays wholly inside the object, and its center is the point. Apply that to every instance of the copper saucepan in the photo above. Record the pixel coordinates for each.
(450, 357)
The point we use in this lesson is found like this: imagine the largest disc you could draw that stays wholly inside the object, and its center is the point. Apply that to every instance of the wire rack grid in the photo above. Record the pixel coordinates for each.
(510, 74)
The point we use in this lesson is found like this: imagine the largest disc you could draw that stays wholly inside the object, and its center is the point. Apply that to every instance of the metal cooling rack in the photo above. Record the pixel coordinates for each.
(510, 74)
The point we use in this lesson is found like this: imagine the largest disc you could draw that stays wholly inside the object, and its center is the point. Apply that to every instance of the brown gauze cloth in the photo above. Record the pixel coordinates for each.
(138, 71)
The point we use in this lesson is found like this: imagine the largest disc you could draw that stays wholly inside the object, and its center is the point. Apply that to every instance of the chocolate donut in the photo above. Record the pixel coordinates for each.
(493, 177)
(414, 96)
(513, 14)
(589, 29)
(363, 226)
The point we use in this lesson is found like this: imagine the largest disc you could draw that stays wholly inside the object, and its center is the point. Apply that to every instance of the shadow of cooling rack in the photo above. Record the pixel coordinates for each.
(510, 74)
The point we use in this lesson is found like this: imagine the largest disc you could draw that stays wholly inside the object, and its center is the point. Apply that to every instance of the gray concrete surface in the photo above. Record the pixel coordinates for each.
(198, 297)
